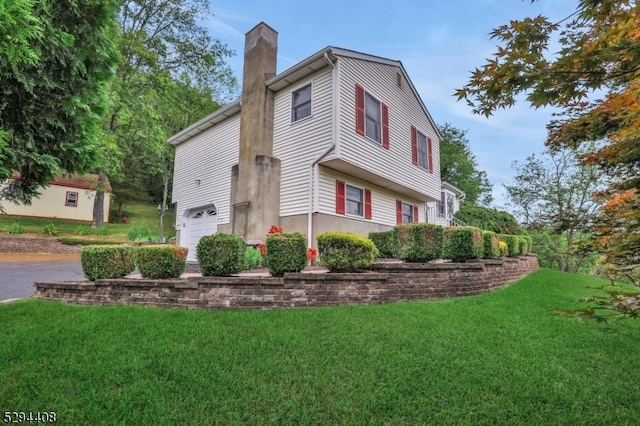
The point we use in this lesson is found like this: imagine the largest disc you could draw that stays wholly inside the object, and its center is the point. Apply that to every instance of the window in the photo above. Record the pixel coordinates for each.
(301, 103)
(355, 201)
(406, 213)
(421, 149)
(352, 200)
(71, 199)
(372, 117)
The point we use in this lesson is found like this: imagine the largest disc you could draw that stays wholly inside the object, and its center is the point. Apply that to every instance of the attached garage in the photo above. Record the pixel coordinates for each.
(196, 223)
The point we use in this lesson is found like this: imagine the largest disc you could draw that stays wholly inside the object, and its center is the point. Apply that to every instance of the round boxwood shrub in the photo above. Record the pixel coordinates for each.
(160, 261)
(345, 251)
(385, 242)
(462, 243)
(419, 242)
(106, 261)
(220, 254)
(286, 252)
(491, 245)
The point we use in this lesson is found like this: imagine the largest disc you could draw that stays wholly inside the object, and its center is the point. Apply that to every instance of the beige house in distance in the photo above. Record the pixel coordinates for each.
(66, 197)
(338, 142)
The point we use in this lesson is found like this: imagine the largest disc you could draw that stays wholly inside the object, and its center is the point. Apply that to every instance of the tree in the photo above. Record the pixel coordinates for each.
(459, 167)
(489, 219)
(172, 73)
(553, 193)
(56, 61)
(594, 78)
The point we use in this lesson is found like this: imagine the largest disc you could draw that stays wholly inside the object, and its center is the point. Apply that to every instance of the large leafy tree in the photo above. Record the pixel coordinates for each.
(56, 60)
(172, 73)
(459, 167)
(553, 194)
(593, 79)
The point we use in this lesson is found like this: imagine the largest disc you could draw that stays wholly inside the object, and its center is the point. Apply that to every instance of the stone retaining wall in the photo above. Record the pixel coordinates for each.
(11, 244)
(384, 283)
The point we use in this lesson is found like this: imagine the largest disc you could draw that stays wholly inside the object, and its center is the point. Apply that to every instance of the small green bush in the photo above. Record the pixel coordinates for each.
(102, 230)
(344, 251)
(491, 245)
(523, 245)
(220, 254)
(82, 230)
(252, 258)
(419, 242)
(50, 229)
(513, 243)
(106, 261)
(160, 261)
(385, 241)
(15, 228)
(529, 240)
(503, 248)
(138, 233)
(286, 252)
(462, 243)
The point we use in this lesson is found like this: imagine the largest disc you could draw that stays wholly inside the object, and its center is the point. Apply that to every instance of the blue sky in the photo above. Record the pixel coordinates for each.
(439, 42)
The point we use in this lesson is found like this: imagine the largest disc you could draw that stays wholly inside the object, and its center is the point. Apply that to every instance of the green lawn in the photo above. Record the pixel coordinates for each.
(140, 215)
(502, 358)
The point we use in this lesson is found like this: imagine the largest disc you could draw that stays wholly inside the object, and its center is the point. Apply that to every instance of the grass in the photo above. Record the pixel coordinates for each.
(500, 358)
(75, 231)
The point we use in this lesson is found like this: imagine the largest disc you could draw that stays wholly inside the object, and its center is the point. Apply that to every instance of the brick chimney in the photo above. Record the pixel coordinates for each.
(255, 180)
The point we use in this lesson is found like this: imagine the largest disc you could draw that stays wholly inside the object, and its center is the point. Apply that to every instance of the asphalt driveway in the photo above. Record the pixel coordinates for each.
(18, 273)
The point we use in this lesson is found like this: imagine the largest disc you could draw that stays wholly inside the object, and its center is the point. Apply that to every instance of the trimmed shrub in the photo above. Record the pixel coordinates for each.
(106, 261)
(252, 258)
(220, 254)
(513, 243)
(385, 242)
(523, 245)
(529, 240)
(160, 261)
(286, 252)
(491, 245)
(419, 242)
(462, 243)
(503, 248)
(345, 251)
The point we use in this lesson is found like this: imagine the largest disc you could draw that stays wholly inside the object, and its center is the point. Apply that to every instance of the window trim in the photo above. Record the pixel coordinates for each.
(347, 199)
(67, 201)
(293, 108)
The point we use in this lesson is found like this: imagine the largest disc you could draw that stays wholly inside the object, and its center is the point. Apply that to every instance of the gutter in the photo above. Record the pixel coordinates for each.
(313, 165)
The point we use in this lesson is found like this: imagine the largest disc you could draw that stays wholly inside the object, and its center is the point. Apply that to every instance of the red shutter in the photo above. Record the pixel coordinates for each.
(398, 212)
(340, 199)
(385, 126)
(367, 204)
(414, 145)
(360, 109)
(415, 214)
(430, 154)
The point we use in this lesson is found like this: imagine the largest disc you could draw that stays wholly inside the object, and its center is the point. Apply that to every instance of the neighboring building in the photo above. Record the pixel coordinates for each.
(339, 142)
(441, 212)
(66, 197)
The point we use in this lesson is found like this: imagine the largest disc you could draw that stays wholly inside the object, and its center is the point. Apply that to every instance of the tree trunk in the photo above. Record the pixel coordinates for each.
(98, 201)
(569, 260)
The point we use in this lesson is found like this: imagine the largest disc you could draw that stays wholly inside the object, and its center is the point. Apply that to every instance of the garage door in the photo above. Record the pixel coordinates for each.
(200, 222)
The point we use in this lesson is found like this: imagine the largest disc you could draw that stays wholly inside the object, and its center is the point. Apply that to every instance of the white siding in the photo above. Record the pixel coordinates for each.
(383, 201)
(299, 144)
(395, 163)
(209, 157)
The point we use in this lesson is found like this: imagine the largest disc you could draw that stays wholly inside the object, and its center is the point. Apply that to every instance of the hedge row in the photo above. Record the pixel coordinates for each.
(423, 242)
(115, 261)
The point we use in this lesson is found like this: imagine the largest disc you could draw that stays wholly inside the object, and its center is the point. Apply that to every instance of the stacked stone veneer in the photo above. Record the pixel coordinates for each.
(385, 283)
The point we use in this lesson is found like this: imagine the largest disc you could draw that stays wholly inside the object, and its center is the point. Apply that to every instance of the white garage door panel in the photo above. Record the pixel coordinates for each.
(201, 222)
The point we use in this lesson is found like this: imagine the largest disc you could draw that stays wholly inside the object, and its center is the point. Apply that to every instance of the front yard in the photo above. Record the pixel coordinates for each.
(500, 358)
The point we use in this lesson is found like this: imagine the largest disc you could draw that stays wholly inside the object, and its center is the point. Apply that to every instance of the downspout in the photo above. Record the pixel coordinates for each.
(324, 154)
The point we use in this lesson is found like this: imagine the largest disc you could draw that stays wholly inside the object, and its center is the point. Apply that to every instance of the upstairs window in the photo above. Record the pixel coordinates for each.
(421, 150)
(372, 117)
(71, 199)
(301, 103)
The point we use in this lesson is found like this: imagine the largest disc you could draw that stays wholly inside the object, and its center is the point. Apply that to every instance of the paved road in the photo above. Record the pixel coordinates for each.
(17, 277)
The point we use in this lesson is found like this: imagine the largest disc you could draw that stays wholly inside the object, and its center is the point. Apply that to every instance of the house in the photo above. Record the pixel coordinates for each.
(441, 212)
(338, 142)
(66, 197)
